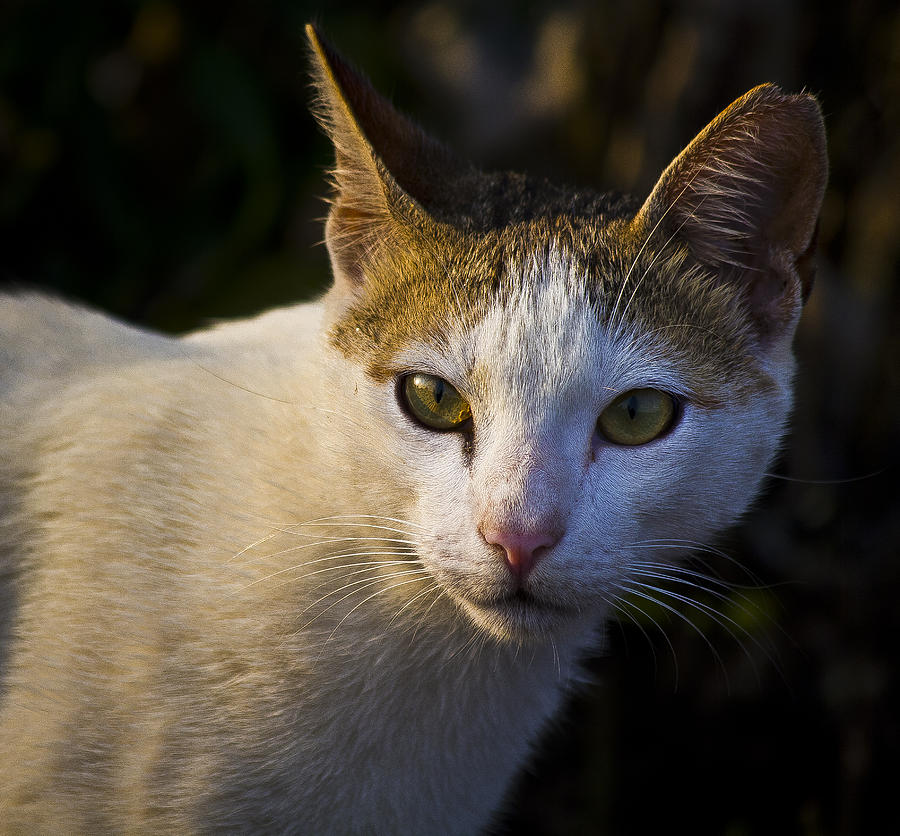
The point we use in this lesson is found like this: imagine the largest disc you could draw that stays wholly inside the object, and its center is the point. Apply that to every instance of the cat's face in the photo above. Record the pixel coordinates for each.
(567, 385)
(540, 450)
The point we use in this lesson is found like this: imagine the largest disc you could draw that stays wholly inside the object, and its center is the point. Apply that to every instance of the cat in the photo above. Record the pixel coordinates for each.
(332, 569)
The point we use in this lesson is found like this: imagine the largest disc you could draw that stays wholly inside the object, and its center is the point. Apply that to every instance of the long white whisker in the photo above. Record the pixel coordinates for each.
(474, 639)
(678, 614)
(416, 597)
(370, 568)
(336, 520)
(614, 326)
(291, 529)
(319, 542)
(737, 599)
(722, 620)
(690, 601)
(424, 618)
(696, 546)
(346, 517)
(365, 601)
(364, 584)
(620, 603)
(402, 543)
(656, 256)
(337, 567)
(845, 481)
(679, 574)
(685, 577)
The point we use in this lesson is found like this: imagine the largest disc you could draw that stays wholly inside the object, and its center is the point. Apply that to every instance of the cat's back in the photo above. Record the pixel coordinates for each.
(43, 339)
(53, 352)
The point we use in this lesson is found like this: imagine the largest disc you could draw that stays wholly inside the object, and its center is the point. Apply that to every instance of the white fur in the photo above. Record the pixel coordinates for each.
(172, 509)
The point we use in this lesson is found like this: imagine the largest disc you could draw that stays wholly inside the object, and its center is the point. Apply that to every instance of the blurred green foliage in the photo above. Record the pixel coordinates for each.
(157, 160)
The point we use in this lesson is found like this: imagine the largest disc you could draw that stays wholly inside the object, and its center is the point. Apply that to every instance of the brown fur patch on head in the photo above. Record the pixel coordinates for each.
(447, 275)
(431, 291)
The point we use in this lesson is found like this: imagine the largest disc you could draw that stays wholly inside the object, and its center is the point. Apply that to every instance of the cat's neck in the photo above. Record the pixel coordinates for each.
(469, 707)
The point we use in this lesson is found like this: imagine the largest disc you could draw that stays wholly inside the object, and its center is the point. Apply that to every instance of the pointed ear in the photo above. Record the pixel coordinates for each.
(387, 173)
(744, 197)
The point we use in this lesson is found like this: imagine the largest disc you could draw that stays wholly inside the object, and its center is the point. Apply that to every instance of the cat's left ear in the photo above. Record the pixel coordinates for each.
(388, 176)
(744, 197)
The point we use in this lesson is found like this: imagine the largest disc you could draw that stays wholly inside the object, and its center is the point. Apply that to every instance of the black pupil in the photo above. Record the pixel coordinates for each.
(631, 406)
(438, 390)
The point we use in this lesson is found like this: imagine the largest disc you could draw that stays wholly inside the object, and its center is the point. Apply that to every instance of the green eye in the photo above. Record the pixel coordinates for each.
(434, 402)
(637, 417)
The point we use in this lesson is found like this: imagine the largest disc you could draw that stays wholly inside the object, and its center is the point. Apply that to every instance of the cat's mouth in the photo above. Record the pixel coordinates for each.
(524, 598)
(520, 613)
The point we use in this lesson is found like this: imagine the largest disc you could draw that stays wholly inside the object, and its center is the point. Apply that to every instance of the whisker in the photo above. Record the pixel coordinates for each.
(716, 615)
(708, 331)
(291, 529)
(365, 601)
(696, 546)
(619, 603)
(614, 325)
(556, 658)
(364, 517)
(476, 638)
(297, 566)
(676, 612)
(711, 611)
(365, 583)
(238, 385)
(432, 588)
(402, 543)
(320, 542)
(335, 520)
(252, 546)
(424, 618)
(679, 574)
(656, 256)
(845, 481)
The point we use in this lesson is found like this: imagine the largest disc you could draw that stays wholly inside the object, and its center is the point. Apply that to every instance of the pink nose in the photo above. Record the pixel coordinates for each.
(521, 550)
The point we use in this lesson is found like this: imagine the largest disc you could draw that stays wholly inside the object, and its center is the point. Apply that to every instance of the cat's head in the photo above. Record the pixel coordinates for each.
(571, 386)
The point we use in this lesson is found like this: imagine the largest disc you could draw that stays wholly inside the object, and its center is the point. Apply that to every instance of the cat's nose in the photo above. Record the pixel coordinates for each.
(522, 550)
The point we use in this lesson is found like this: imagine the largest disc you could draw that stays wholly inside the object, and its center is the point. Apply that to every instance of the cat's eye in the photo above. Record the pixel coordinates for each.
(434, 402)
(637, 417)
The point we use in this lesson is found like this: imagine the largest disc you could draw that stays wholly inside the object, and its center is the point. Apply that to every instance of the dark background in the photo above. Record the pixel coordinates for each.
(157, 160)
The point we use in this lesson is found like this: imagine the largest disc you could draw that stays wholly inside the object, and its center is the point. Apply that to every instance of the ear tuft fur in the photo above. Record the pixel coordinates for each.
(744, 196)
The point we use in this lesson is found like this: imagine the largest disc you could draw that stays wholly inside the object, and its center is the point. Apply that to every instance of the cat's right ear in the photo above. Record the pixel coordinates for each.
(387, 170)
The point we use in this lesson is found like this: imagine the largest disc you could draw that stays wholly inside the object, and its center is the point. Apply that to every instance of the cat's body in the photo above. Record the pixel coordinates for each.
(249, 587)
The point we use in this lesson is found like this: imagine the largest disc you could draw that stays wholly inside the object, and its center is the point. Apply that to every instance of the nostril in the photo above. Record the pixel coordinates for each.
(521, 550)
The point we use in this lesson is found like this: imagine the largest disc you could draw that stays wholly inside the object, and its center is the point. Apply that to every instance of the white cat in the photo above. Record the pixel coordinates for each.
(331, 569)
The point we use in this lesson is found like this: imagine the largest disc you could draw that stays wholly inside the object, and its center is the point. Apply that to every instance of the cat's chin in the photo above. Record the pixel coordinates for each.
(520, 616)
